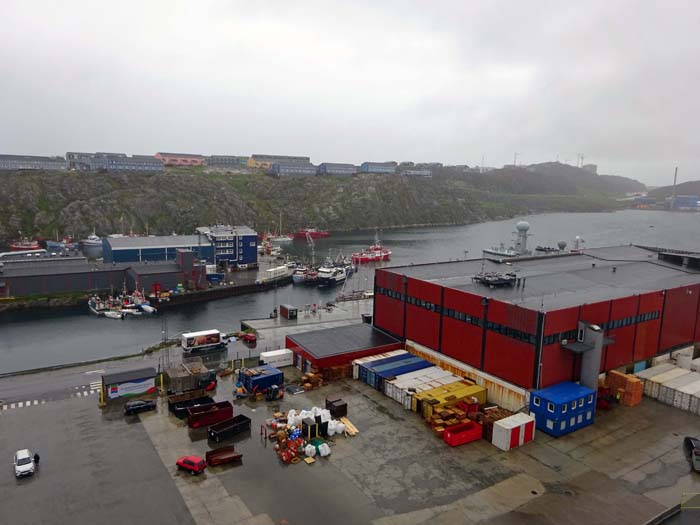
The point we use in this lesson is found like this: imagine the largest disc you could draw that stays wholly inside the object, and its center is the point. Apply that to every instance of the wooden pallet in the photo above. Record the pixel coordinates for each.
(350, 429)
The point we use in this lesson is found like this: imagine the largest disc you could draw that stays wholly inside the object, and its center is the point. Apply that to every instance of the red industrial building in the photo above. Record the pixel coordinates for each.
(338, 346)
(645, 303)
(181, 159)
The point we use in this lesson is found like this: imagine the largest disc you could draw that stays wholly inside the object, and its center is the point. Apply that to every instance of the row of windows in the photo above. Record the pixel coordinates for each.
(550, 406)
(572, 421)
(431, 307)
(629, 321)
(555, 338)
(507, 331)
(461, 316)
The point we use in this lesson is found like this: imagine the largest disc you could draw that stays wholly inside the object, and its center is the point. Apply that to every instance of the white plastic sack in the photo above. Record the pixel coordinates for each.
(306, 413)
(316, 411)
(325, 415)
(331, 427)
(339, 428)
(324, 450)
(310, 451)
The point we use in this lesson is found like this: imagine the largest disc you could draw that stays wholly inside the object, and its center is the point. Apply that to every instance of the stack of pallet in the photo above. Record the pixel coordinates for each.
(488, 417)
(333, 373)
(446, 418)
(627, 388)
(311, 381)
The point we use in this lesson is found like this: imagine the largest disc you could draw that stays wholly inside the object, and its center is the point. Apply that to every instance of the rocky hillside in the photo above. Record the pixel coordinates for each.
(684, 188)
(43, 203)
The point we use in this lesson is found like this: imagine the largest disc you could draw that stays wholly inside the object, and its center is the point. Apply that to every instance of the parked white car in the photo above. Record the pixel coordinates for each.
(24, 463)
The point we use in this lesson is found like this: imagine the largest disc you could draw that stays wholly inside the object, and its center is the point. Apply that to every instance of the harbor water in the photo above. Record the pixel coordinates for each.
(41, 338)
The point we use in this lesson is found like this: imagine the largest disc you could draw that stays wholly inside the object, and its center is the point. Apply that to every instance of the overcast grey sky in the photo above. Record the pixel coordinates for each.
(362, 80)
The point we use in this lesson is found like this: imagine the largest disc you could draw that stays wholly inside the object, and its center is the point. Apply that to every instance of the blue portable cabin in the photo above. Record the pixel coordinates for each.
(366, 368)
(259, 378)
(563, 408)
(392, 373)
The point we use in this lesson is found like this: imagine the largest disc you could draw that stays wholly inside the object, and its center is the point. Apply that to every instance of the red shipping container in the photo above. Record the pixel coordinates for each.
(210, 414)
(462, 433)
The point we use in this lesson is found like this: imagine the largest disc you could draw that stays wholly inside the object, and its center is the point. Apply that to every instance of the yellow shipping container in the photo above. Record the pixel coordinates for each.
(447, 395)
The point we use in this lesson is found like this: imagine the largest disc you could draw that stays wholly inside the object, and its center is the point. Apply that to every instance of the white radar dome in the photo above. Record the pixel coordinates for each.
(522, 226)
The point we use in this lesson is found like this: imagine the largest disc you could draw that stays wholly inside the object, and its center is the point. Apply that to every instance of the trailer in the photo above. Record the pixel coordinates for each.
(203, 340)
(277, 358)
(210, 414)
(228, 428)
(222, 455)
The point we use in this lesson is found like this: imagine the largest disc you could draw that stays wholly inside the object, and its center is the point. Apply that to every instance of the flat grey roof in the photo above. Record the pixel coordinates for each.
(341, 340)
(59, 268)
(554, 282)
(155, 267)
(128, 375)
(160, 241)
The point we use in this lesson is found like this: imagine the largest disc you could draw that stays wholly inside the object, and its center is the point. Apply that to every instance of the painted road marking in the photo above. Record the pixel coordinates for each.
(36, 402)
(43, 401)
(12, 405)
(4, 407)
(28, 403)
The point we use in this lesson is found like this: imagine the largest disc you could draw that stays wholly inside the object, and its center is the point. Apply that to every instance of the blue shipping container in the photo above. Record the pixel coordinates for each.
(388, 375)
(365, 367)
(563, 408)
(260, 378)
(371, 372)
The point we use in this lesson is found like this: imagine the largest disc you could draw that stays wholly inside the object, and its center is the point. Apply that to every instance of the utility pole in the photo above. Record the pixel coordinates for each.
(515, 158)
(482, 164)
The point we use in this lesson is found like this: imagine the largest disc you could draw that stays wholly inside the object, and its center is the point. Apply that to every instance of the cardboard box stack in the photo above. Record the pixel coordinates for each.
(627, 388)
(489, 416)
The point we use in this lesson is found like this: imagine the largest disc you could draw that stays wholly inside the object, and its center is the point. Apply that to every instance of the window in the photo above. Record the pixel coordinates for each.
(550, 407)
(588, 414)
(590, 398)
(573, 405)
(579, 419)
(562, 426)
(580, 402)
(563, 409)
(550, 424)
(536, 401)
(572, 421)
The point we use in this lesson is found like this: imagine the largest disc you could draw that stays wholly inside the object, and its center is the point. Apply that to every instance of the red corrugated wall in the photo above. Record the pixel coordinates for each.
(679, 319)
(646, 341)
(557, 363)
(621, 351)
(422, 325)
(462, 340)
(388, 312)
(506, 357)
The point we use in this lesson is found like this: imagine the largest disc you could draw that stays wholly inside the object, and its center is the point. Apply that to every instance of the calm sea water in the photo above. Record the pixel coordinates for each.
(49, 337)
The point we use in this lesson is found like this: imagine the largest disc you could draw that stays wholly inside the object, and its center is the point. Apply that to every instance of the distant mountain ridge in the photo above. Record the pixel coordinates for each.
(178, 200)
(691, 187)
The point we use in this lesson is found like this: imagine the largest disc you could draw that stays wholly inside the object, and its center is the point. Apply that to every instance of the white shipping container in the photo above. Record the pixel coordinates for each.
(687, 350)
(694, 407)
(667, 390)
(648, 373)
(656, 381)
(362, 360)
(513, 431)
(695, 365)
(684, 361)
(684, 394)
(277, 358)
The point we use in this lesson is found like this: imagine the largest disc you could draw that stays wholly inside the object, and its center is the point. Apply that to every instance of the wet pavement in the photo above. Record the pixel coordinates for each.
(626, 468)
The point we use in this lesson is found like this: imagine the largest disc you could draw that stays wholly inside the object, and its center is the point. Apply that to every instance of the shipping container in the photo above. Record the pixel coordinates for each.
(647, 374)
(390, 373)
(288, 311)
(365, 360)
(369, 370)
(563, 408)
(260, 378)
(683, 395)
(403, 387)
(668, 389)
(695, 365)
(277, 358)
(656, 381)
(513, 431)
(694, 406)
(276, 273)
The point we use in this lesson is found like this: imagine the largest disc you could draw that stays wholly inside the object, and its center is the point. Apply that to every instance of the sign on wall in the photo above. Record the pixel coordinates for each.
(132, 388)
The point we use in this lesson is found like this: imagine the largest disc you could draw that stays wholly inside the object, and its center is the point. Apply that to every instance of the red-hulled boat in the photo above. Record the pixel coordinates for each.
(375, 253)
(313, 232)
(25, 244)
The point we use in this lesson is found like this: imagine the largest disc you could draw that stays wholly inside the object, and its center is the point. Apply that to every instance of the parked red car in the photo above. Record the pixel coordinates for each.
(192, 464)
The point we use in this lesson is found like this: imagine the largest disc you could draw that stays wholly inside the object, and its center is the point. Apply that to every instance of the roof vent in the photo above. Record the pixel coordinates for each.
(592, 265)
(614, 269)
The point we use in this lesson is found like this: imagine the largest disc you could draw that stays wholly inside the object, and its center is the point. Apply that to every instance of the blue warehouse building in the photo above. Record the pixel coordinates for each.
(156, 248)
(235, 246)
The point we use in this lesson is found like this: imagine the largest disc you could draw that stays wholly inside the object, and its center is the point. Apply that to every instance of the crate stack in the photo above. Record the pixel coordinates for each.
(627, 388)
(333, 373)
(445, 418)
(311, 381)
(488, 417)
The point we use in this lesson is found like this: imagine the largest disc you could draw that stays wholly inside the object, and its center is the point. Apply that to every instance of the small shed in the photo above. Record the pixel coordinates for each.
(129, 383)
(563, 408)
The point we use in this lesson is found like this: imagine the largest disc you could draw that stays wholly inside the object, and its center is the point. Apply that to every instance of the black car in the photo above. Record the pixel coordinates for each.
(692, 451)
(138, 405)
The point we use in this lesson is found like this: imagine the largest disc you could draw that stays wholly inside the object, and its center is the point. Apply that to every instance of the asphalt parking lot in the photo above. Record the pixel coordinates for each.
(97, 465)
(94, 468)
